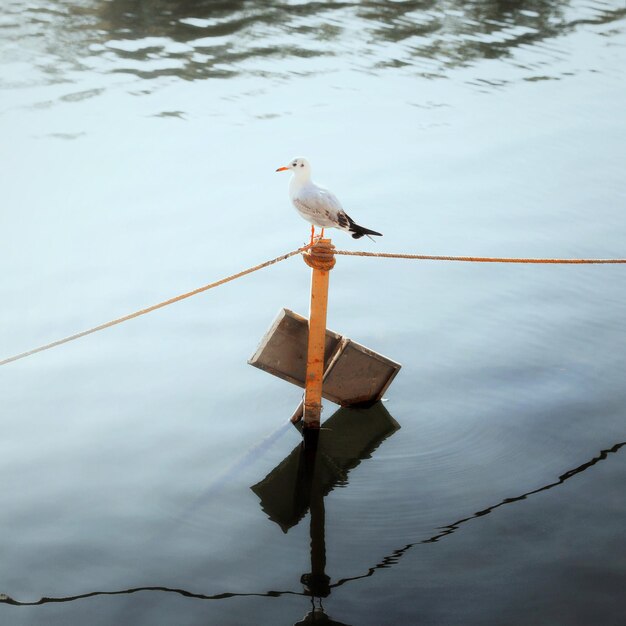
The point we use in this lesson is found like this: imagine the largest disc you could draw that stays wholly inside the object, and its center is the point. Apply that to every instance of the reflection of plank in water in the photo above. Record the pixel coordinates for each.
(346, 438)
(388, 561)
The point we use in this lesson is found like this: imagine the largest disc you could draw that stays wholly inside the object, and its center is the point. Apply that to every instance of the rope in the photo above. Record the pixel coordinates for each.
(283, 257)
(321, 256)
(154, 307)
(477, 259)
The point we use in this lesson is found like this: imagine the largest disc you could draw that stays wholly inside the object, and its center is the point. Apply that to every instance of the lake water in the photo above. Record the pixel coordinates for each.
(139, 143)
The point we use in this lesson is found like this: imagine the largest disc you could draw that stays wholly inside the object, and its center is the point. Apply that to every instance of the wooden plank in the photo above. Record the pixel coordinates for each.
(283, 349)
(353, 374)
(357, 375)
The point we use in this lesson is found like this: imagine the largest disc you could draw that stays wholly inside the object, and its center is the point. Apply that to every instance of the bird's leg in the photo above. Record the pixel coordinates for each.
(312, 234)
(322, 233)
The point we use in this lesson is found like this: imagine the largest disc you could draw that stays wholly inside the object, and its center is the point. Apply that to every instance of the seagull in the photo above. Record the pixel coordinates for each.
(318, 205)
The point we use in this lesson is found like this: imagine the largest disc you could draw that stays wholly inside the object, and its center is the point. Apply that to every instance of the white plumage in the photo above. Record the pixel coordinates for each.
(318, 205)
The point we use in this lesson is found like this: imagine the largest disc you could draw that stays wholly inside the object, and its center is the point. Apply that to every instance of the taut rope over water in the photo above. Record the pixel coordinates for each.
(283, 257)
(154, 307)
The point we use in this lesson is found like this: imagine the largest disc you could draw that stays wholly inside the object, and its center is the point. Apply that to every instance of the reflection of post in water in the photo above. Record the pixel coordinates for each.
(316, 583)
(306, 476)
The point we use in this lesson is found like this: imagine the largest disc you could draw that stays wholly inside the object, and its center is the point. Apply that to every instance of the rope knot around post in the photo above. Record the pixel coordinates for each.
(321, 255)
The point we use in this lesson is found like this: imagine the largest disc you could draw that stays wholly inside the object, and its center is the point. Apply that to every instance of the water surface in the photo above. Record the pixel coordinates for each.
(139, 147)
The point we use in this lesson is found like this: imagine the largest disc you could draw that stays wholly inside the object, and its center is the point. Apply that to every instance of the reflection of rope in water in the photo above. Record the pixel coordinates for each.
(282, 257)
(4, 599)
(396, 555)
(221, 481)
(385, 563)
(253, 454)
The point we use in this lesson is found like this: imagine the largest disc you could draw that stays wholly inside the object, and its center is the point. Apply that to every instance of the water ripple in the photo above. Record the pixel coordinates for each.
(208, 39)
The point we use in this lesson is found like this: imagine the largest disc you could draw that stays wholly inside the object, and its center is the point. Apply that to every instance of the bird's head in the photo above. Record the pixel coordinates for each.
(300, 167)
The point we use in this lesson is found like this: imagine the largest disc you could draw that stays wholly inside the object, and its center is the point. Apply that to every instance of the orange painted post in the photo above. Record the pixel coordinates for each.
(315, 350)
(321, 258)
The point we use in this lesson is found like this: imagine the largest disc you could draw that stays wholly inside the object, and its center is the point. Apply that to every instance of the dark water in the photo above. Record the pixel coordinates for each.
(149, 475)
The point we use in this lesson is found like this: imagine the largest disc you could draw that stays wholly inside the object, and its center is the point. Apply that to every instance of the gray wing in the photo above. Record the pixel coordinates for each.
(323, 208)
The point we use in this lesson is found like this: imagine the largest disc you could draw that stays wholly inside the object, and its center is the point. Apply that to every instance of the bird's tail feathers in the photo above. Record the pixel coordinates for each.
(358, 231)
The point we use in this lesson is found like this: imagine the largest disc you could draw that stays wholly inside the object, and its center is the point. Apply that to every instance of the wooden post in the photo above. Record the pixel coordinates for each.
(321, 258)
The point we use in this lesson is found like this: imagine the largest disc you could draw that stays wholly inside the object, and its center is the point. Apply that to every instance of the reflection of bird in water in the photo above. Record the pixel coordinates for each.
(318, 205)
(317, 616)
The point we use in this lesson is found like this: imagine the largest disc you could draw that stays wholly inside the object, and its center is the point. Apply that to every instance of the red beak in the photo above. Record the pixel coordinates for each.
(282, 169)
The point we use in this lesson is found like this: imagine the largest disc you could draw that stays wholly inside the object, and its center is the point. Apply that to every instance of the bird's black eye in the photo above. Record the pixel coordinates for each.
(294, 164)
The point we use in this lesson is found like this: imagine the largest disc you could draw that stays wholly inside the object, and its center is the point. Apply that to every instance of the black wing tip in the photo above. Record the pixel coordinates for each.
(354, 229)
(357, 234)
